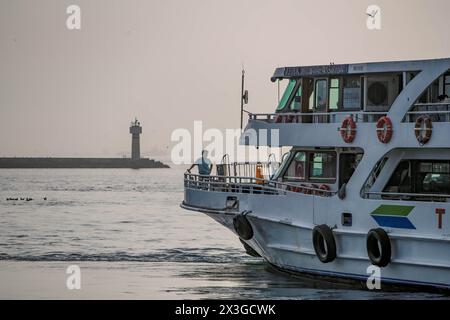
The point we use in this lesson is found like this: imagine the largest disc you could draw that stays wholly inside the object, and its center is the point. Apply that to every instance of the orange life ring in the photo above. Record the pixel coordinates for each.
(423, 129)
(384, 129)
(348, 130)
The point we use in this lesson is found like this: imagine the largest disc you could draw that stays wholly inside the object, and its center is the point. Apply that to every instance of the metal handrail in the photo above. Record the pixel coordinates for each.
(398, 194)
(429, 112)
(358, 115)
(317, 113)
(205, 181)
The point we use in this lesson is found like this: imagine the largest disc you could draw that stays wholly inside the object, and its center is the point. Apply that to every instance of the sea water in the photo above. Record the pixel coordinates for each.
(125, 230)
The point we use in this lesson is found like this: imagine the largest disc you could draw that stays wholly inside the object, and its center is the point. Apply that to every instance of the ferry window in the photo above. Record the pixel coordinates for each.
(322, 165)
(347, 166)
(447, 85)
(321, 93)
(297, 99)
(287, 93)
(432, 177)
(284, 160)
(352, 93)
(420, 176)
(334, 93)
(296, 170)
(400, 180)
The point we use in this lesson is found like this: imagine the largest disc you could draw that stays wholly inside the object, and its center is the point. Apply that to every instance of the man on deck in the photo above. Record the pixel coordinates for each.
(203, 163)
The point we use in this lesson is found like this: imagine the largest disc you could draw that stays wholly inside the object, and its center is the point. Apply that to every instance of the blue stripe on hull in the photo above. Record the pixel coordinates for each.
(394, 222)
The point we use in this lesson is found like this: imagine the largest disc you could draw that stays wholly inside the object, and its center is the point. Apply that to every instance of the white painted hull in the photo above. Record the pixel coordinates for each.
(283, 237)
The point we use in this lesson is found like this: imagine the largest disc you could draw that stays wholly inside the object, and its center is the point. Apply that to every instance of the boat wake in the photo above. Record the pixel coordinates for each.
(178, 255)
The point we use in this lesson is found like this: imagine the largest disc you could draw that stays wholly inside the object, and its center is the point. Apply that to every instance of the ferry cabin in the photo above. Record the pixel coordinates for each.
(311, 115)
(366, 180)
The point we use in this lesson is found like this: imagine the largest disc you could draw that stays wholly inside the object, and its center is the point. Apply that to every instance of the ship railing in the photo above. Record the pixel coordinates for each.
(317, 117)
(438, 112)
(236, 184)
(407, 196)
(247, 169)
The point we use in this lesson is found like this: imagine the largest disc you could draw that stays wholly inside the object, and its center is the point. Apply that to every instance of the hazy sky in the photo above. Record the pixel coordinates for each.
(170, 62)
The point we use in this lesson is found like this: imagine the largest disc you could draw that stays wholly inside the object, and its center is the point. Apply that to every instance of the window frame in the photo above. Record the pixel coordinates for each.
(315, 107)
(307, 167)
(413, 170)
(322, 180)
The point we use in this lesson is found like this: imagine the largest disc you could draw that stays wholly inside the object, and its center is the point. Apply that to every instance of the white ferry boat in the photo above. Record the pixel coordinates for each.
(366, 181)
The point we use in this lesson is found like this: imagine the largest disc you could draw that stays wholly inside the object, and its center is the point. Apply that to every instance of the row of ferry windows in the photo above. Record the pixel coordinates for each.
(410, 176)
(347, 93)
(333, 93)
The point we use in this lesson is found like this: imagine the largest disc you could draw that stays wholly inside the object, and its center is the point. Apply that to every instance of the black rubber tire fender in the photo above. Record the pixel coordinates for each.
(324, 243)
(379, 247)
(243, 227)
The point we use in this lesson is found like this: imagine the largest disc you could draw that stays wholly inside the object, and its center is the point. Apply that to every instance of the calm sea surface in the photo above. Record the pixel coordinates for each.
(126, 231)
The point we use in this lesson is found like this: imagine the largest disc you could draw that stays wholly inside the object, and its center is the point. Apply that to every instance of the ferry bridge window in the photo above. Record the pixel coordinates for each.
(296, 170)
(321, 94)
(334, 94)
(286, 95)
(297, 99)
(421, 176)
(352, 93)
(322, 166)
(447, 85)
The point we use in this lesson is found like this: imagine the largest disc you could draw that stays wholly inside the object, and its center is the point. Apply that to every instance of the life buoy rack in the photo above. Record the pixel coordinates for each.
(348, 130)
(242, 226)
(423, 129)
(325, 188)
(285, 119)
(378, 247)
(384, 129)
(324, 243)
(294, 189)
(305, 189)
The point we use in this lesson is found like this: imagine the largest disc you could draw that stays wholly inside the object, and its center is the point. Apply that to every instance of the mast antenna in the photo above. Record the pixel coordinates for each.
(244, 95)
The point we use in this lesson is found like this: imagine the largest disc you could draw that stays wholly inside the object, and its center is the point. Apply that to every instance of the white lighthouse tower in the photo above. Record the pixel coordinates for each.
(135, 130)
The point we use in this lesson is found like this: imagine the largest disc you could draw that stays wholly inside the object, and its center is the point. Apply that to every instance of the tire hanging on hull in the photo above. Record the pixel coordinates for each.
(242, 226)
(379, 247)
(324, 243)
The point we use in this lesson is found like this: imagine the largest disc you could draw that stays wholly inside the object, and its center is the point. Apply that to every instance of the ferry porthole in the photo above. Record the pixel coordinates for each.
(379, 247)
(384, 129)
(423, 129)
(243, 227)
(324, 243)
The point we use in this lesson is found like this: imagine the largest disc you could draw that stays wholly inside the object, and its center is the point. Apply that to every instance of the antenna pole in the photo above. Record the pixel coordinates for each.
(242, 96)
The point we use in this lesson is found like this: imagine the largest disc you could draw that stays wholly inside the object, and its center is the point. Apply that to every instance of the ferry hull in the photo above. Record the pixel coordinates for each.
(286, 243)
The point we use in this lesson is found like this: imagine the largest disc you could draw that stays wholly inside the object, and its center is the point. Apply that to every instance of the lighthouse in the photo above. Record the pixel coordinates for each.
(135, 130)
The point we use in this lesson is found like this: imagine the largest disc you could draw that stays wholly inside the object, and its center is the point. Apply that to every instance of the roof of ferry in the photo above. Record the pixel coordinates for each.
(354, 68)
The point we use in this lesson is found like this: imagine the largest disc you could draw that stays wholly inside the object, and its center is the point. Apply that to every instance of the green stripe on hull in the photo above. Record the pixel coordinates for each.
(392, 210)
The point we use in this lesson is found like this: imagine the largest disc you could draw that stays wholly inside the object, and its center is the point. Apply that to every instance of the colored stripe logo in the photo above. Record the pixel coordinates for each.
(393, 216)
